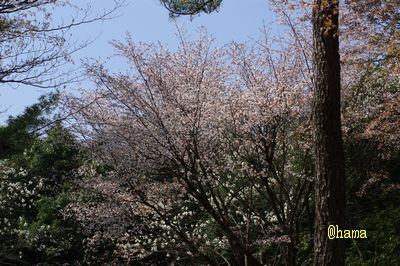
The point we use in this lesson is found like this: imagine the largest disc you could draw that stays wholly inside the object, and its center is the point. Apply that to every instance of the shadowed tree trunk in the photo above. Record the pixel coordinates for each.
(329, 178)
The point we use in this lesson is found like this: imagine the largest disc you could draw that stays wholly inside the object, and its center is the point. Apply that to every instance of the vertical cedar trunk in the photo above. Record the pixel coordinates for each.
(329, 178)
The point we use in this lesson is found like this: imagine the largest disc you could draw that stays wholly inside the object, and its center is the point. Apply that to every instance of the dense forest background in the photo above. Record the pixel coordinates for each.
(199, 155)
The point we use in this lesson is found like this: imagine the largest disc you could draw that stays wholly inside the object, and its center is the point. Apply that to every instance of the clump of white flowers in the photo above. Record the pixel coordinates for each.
(18, 192)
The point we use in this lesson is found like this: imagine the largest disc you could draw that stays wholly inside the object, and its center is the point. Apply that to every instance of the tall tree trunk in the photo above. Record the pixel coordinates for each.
(329, 178)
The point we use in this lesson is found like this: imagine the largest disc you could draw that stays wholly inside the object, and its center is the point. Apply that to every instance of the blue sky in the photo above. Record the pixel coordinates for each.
(148, 21)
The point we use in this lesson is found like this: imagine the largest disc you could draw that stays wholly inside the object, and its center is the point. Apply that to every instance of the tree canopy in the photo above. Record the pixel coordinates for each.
(207, 154)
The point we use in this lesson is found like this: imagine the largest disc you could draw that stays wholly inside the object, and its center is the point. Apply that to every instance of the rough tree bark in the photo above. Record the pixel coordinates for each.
(329, 177)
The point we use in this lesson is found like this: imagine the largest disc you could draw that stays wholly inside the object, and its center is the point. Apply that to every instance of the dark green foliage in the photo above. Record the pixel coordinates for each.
(383, 244)
(21, 131)
(374, 207)
(49, 156)
(190, 7)
(54, 158)
(49, 238)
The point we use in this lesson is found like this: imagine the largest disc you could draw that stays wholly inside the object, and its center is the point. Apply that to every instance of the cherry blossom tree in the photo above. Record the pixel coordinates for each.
(222, 134)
